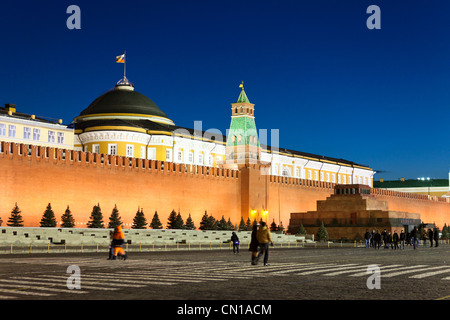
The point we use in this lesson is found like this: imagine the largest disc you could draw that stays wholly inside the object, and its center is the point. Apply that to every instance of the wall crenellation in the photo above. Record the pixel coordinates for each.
(97, 160)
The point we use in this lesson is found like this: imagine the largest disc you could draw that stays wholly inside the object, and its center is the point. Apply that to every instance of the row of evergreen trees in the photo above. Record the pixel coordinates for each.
(174, 221)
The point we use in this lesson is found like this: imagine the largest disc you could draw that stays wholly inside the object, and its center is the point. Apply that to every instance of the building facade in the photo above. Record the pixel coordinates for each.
(125, 122)
(18, 127)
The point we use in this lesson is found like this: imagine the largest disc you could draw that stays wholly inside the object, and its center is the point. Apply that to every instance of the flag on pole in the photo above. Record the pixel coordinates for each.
(121, 58)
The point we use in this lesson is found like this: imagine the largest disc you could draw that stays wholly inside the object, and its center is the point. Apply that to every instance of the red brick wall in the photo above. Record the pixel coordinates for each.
(80, 180)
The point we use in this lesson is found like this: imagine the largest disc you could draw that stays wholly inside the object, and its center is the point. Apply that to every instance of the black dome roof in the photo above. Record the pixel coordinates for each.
(123, 101)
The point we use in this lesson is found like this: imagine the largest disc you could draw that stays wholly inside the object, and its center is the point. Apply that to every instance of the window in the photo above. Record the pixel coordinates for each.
(142, 152)
(210, 160)
(26, 133)
(96, 148)
(61, 137)
(191, 157)
(328, 177)
(51, 136)
(316, 175)
(309, 174)
(200, 158)
(168, 154)
(130, 150)
(36, 134)
(2, 129)
(112, 149)
(321, 176)
(12, 131)
(180, 156)
(151, 153)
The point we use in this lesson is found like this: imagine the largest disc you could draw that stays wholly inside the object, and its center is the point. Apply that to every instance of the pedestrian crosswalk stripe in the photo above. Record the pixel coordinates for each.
(333, 268)
(301, 268)
(26, 293)
(107, 280)
(402, 272)
(40, 288)
(429, 274)
(364, 274)
(362, 268)
(61, 283)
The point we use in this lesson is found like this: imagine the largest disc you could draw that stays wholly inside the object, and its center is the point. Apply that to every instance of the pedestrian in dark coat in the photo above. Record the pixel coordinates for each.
(430, 236)
(402, 239)
(235, 240)
(377, 239)
(414, 234)
(395, 239)
(383, 237)
(436, 237)
(389, 240)
(254, 244)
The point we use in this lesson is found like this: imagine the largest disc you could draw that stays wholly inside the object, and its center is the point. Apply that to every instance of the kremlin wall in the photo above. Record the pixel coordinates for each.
(123, 150)
(34, 176)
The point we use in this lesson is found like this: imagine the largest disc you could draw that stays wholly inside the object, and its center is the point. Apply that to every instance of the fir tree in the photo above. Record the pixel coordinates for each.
(208, 222)
(445, 232)
(179, 222)
(213, 224)
(248, 225)
(171, 221)
(114, 219)
(281, 227)
(139, 221)
(189, 223)
(230, 225)
(242, 226)
(15, 220)
(273, 226)
(48, 219)
(156, 223)
(322, 233)
(96, 218)
(301, 230)
(222, 225)
(204, 222)
(67, 220)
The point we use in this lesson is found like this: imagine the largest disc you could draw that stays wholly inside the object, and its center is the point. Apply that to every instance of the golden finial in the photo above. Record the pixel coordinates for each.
(242, 85)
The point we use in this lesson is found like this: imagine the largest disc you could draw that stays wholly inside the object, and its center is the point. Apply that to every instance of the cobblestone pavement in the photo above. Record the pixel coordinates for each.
(293, 274)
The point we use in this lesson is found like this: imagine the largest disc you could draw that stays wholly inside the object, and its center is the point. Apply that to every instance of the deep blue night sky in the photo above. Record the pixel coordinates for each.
(312, 68)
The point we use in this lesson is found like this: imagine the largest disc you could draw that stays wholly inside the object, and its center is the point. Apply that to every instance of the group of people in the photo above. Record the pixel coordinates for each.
(259, 244)
(375, 239)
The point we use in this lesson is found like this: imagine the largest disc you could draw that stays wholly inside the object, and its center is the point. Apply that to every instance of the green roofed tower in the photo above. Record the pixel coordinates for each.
(242, 140)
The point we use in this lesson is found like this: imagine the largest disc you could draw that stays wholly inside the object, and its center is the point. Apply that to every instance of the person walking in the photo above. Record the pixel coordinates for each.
(402, 239)
(235, 240)
(264, 239)
(431, 237)
(253, 248)
(395, 239)
(118, 241)
(436, 237)
(383, 237)
(377, 239)
(389, 240)
(414, 237)
(367, 237)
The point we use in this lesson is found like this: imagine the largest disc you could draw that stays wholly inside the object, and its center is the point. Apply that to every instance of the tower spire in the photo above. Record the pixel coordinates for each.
(242, 96)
